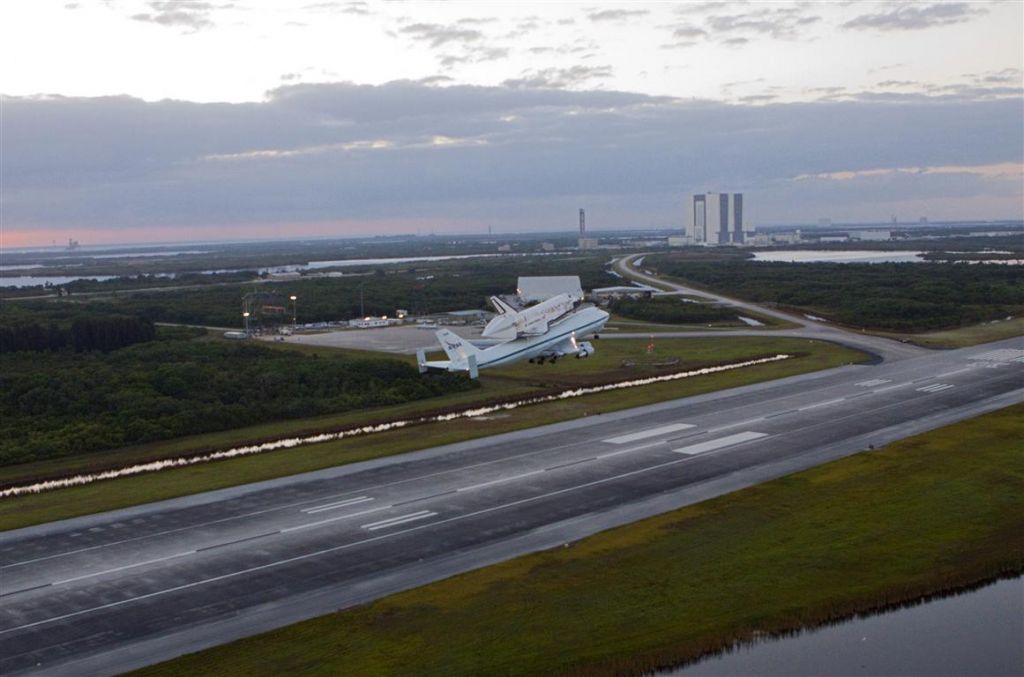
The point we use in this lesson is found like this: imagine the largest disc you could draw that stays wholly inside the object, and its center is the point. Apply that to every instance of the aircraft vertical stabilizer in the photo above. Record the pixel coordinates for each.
(455, 347)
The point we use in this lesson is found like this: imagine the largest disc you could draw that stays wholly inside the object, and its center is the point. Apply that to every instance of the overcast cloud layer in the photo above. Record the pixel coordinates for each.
(241, 119)
(506, 157)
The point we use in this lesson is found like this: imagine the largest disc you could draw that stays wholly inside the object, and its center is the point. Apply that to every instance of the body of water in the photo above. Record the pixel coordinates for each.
(313, 265)
(975, 633)
(827, 256)
(56, 280)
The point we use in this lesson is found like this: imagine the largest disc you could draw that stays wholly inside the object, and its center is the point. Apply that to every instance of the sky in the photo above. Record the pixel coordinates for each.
(160, 120)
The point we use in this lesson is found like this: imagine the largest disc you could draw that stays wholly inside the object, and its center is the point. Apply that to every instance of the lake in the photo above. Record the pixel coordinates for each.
(55, 280)
(975, 633)
(827, 256)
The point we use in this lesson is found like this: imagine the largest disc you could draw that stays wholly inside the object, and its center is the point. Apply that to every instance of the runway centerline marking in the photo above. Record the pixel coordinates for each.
(335, 506)
(653, 432)
(821, 404)
(873, 382)
(720, 443)
(125, 567)
(570, 463)
(395, 521)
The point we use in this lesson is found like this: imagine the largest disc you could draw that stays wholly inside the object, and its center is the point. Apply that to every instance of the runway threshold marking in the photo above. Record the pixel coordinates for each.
(335, 506)
(935, 388)
(720, 443)
(653, 432)
(395, 521)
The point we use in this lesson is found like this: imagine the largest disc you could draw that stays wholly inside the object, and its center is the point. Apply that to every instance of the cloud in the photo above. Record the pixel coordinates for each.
(700, 7)
(356, 7)
(559, 78)
(437, 35)
(910, 17)
(1002, 170)
(780, 23)
(689, 31)
(616, 14)
(1006, 76)
(190, 14)
(517, 157)
(473, 55)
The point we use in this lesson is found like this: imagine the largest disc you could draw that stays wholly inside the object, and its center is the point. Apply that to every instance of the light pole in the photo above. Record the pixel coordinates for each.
(294, 298)
(246, 316)
(362, 310)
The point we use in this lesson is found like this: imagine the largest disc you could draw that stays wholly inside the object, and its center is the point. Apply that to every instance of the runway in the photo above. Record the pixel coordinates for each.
(110, 592)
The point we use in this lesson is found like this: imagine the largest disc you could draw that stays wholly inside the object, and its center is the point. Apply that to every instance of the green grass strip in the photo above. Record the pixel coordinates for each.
(934, 512)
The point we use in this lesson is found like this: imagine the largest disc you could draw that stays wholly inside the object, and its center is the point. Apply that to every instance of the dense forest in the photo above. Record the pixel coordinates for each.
(78, 402)
(889, 296)
(421, 289)
(667, 310)
(84, 333)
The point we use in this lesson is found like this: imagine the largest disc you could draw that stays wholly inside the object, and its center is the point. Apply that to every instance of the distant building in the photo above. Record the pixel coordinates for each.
(715, 218)
(585, 242)
(372, 322)
(605, 294)
(871, 235)
(534, 289)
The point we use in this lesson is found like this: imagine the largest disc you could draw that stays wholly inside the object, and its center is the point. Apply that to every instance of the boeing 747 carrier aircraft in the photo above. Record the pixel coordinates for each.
(544, 332)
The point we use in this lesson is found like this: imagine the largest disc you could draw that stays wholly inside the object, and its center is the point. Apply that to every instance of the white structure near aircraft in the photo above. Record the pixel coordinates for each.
(545, 332)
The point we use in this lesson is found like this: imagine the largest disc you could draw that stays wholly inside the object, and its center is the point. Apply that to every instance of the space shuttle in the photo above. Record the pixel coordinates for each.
(511, 323)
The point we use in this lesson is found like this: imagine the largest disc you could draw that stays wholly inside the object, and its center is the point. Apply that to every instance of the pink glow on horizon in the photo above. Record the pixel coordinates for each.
(34, 237)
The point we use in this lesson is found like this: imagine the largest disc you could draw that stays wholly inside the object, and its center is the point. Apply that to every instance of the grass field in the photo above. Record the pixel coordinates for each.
(967, 336)
(932, 513)
(605, 365)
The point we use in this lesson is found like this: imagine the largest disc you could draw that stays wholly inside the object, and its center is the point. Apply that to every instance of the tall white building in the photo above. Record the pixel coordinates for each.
(715, 218)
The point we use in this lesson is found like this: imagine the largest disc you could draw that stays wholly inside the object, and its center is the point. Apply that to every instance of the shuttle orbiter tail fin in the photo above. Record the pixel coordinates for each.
(501, 306)
(456, 347)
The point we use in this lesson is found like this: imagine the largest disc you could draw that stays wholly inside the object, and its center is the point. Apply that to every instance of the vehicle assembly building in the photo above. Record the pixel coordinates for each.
(715, 218)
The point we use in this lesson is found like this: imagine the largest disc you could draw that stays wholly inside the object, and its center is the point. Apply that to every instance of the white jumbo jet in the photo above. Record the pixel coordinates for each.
(559, 340)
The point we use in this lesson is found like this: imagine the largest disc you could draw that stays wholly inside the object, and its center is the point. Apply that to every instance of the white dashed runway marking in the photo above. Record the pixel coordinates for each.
(653, 432)
(720, 443)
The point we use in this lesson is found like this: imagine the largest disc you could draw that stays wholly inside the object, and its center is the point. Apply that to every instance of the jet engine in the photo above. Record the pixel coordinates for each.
(584, 349)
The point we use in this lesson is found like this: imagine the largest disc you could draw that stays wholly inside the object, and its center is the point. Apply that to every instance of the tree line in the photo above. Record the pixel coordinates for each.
(671, 311)
(77, 403)
(889, 296)
(104, 333)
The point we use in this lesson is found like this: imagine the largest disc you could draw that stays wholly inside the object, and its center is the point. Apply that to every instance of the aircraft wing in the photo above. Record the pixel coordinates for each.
(566, 347)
